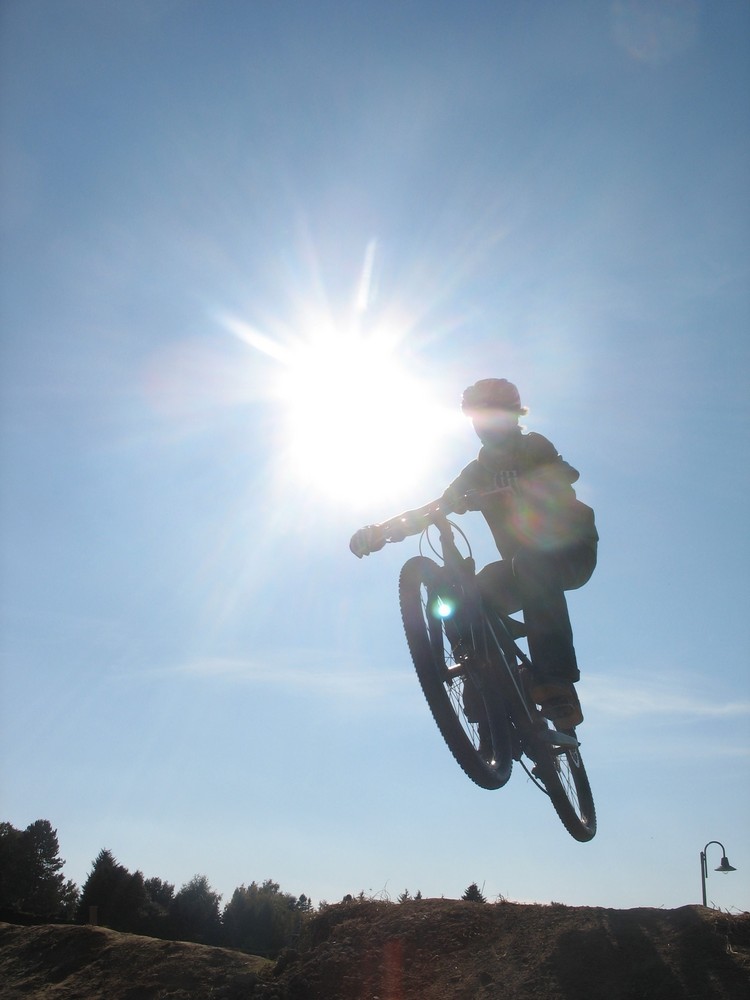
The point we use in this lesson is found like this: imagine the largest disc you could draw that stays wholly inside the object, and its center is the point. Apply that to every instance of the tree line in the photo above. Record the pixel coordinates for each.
(259, 918)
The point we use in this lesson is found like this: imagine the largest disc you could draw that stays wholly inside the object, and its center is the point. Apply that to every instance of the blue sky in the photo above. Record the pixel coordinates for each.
(252, 253)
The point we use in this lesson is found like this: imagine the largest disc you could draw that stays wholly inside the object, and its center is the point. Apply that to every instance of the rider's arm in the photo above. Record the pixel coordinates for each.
(373, 537)
(465, 493)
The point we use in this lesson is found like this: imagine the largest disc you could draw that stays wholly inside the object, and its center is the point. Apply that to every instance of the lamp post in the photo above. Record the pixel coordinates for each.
(723, 867)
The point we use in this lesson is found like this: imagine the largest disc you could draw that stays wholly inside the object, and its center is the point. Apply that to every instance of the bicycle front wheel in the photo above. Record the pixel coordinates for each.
(472, 718)
(564, 777)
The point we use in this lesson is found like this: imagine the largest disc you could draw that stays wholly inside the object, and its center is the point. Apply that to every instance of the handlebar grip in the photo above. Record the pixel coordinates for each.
(396, 529)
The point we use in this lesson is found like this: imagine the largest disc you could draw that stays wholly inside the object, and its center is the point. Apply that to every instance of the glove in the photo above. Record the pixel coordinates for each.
(366, 540)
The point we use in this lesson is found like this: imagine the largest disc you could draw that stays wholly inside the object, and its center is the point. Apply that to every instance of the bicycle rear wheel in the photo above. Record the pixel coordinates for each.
(480, 744)
(564, 777)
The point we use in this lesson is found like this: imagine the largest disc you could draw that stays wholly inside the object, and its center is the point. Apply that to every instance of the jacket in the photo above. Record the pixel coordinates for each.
(542, 511)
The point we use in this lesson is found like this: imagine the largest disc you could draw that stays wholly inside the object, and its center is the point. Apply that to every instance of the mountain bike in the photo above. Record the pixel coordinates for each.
(475, 675)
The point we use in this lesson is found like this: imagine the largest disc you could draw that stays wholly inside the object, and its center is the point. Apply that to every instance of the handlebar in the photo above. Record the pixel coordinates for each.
(412, 522)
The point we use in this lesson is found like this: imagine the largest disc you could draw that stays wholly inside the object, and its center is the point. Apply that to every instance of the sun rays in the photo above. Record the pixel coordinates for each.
(355, 417)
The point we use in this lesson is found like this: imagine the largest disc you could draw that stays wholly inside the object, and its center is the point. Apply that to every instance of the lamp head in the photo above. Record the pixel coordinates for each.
(725, 866)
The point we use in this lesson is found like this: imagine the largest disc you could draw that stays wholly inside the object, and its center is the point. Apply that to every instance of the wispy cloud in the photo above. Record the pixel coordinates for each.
(300, 671)
(629, 696)
(619, 695)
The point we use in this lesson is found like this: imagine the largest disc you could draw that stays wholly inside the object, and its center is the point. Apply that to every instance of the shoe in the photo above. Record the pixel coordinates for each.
(559, 702)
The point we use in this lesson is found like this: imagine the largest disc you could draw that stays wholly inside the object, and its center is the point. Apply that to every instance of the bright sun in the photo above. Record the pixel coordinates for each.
(357, 423)
(356, 418)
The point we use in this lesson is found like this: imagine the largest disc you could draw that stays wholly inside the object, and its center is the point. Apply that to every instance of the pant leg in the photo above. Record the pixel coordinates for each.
(536, 582)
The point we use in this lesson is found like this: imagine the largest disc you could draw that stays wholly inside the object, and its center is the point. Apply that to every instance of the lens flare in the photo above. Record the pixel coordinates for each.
(444, 608)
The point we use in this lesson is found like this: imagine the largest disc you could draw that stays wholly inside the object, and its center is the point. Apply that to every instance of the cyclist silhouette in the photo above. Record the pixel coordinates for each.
(546, 536)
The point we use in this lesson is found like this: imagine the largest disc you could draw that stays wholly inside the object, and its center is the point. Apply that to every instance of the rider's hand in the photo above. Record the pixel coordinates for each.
(366, 540)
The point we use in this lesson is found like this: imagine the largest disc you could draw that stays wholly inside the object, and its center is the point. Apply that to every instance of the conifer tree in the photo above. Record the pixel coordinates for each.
(473, 894)
(117, 897)
(31, 878)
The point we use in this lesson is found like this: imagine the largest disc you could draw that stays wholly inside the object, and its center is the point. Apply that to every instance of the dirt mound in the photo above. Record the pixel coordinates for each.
(63, 962)
(417, 950)
(440, 949)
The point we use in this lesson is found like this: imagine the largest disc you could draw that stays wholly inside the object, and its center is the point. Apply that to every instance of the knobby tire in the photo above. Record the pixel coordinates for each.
(564, 777)
(483, 748)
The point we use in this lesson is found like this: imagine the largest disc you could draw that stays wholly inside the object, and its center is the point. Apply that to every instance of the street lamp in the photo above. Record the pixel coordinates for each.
(723, 867)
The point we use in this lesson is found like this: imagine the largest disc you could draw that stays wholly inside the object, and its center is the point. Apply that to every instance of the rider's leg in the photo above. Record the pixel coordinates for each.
(543, 578)
(499, 587)
(536, 581)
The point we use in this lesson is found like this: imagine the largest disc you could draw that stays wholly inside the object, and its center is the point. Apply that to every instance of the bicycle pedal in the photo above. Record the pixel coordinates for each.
(558, 739)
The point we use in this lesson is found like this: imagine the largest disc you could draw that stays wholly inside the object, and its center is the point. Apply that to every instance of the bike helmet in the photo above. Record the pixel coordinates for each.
(492, 394)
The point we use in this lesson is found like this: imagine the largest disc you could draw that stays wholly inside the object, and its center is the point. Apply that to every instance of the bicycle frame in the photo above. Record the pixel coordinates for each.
(491, 633)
